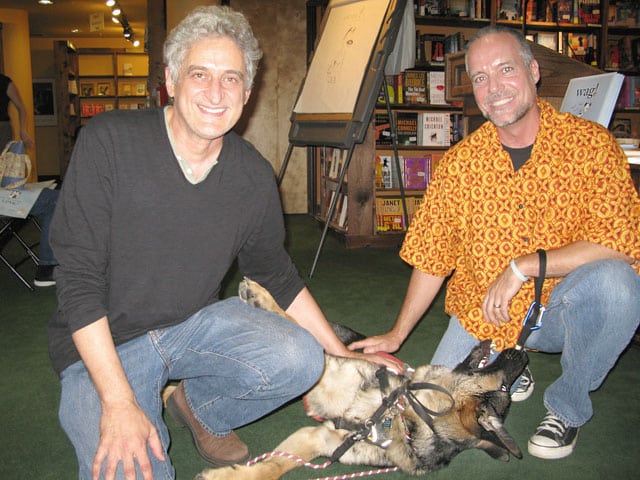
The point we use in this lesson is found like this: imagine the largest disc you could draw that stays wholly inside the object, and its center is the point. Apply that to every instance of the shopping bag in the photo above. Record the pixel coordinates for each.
(15, 166)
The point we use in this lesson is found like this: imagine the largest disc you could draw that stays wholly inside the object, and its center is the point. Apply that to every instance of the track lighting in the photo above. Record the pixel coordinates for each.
(118, 16)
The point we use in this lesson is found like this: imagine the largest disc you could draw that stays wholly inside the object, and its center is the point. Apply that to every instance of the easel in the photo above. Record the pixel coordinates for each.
(338, 131)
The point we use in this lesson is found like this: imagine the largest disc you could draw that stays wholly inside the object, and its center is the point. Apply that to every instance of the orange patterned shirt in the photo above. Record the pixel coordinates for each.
(478, 213)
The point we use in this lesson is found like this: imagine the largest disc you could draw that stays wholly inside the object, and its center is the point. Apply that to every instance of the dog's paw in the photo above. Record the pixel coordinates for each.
(252, 293)
(255, 295)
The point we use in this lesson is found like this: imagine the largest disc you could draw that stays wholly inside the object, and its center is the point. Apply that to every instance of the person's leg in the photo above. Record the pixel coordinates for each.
(42, 210)
(80, 409)
(454, 346)
(591, 317)
(239, 363)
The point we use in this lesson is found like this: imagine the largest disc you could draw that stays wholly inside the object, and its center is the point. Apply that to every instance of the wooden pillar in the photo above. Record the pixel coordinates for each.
(156, 34)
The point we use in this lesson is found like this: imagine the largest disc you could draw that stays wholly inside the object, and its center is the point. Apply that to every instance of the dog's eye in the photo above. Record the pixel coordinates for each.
(503, 388)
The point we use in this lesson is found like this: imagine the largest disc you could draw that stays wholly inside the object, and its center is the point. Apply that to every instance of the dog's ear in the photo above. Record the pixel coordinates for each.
(494, 427)
(493, 450)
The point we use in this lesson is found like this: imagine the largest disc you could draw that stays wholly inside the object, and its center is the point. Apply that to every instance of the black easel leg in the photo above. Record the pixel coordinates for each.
(332, 207)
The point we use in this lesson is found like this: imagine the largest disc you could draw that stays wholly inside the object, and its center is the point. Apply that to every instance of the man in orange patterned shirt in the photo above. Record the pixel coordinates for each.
(529, 179)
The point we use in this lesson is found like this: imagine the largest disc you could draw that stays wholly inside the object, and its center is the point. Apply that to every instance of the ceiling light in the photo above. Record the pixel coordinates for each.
(111, 3)
(116, 11)
(136, 43)
(45, 2)
(115, 19)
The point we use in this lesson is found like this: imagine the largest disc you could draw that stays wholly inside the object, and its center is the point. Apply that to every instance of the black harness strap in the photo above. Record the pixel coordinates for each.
(534, 316)
(423, 412)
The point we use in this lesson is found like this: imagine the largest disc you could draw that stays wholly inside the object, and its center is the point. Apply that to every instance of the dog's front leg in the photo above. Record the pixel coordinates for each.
(305, 444)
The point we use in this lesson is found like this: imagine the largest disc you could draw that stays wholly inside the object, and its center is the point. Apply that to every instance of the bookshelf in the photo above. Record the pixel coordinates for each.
(67, 99)
(111, 79)
(365, 196)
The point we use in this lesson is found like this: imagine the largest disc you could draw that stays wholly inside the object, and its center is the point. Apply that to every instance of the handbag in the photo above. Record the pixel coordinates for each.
(15, 166)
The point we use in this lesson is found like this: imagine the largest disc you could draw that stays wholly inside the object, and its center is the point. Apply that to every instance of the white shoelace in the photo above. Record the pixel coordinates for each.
(553, 424)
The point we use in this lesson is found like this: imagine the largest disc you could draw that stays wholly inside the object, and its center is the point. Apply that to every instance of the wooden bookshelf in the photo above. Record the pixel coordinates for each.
(557, 69)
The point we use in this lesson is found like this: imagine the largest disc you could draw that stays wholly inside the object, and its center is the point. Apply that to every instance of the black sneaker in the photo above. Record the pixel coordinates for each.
(525, 387)
(553, 439)
(44, 276)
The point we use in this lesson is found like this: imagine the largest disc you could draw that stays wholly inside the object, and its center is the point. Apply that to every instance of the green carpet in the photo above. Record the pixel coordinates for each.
(361, 288)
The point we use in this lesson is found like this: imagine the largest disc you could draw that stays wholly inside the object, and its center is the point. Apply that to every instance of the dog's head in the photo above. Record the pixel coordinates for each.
(474, 414)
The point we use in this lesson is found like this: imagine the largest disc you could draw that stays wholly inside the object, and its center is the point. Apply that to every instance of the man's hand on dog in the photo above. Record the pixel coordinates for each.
(378, 347)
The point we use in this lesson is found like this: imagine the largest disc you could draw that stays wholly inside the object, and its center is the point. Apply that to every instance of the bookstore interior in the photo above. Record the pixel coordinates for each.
(595, 42)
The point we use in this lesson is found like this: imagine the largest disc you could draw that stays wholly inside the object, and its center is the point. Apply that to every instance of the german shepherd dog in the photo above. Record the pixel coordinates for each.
(417, 422)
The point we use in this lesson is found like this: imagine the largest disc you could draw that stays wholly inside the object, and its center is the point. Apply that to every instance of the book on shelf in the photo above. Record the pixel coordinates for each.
(593, 97)
(582, 47)
(624, 13)
(413, 204)
(434, 129)
(457, 127)
(386, 172)
(589, 11)
(432, 48)
(406, 127)
(389, 214)
(509, 9)
(453, 43)
(547, 39)
(436, 85)
(417, 172)
(431, 7)
(342, 219)
(336, 159)
(460, 8)
(382, 129)
(395, 89)
(415, 87)
(564, 11)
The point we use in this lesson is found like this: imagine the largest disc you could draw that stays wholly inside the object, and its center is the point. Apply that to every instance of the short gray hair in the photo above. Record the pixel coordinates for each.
(523, 44)
(212, 21)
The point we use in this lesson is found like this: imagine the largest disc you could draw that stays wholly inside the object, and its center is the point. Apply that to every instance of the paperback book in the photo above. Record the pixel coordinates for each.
(435, 129)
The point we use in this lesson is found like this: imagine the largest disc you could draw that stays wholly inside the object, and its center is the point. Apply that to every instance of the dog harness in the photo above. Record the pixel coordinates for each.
(375, 429)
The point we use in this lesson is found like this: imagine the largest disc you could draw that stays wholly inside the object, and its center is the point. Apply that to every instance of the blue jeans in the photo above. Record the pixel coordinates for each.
(43, 211)
(591, 317)
(238, 364)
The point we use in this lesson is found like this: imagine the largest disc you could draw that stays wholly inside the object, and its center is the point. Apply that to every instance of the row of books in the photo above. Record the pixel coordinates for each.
(426, 129)
(620, 12)
(560, 11)
(431, 48)
(415, 172)
(629, 93)
(340, 218)
(415, 87)
(390, 216)
(580, 46)
(623, 53)
(453, 8)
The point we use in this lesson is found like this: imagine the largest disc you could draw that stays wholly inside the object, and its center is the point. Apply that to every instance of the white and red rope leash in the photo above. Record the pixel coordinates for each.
(322, 466)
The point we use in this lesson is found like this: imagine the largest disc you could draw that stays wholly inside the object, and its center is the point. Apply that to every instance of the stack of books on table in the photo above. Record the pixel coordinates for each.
(630, 146)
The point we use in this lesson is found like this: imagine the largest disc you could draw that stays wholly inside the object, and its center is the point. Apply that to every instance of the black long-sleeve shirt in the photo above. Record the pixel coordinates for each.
(138, 243)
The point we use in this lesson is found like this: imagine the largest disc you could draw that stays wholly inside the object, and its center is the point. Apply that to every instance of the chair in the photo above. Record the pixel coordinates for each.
(10, 229)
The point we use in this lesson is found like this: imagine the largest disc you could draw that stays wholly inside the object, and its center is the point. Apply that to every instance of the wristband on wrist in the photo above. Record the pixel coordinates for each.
(516, 271)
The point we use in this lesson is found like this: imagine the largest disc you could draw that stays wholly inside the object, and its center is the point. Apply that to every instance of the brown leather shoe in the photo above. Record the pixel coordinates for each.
(214, 450)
